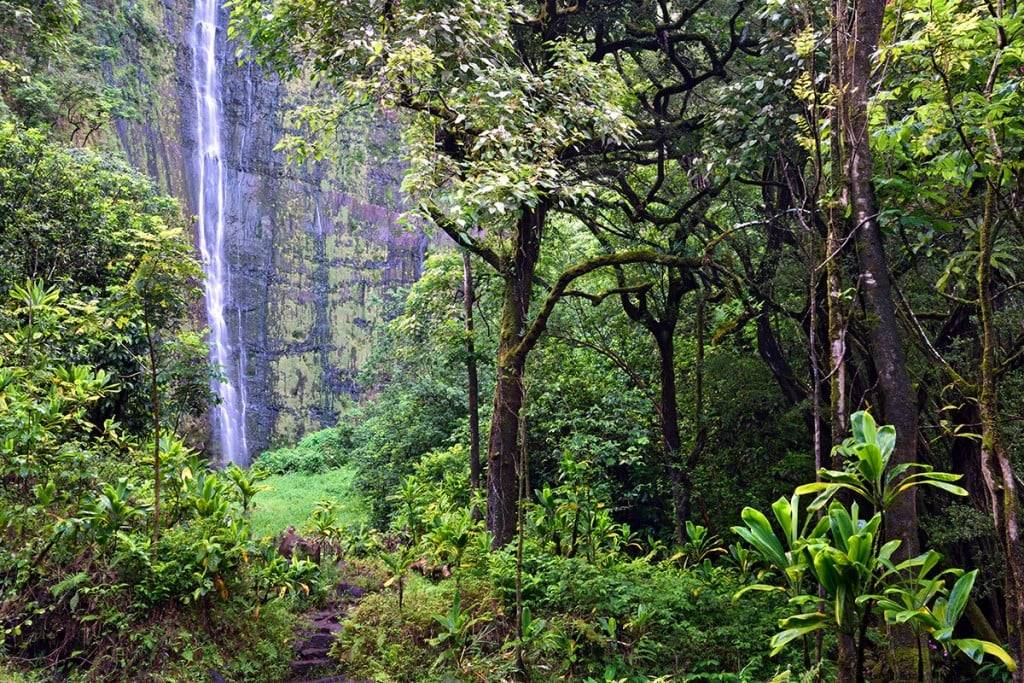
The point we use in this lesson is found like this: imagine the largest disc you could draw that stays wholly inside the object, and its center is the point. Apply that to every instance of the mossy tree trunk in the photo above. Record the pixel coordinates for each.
(472, 376)
(857, 30)
(995, 464)
(503, 447)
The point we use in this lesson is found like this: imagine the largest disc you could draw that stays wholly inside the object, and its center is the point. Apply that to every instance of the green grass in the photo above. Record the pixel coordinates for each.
(293, 496)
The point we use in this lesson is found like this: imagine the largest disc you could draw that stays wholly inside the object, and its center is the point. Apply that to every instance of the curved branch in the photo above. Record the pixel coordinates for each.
(540, 323)
(597, 299)
(461, 238)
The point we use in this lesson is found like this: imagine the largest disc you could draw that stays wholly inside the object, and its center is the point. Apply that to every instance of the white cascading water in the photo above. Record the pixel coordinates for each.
(229, 417)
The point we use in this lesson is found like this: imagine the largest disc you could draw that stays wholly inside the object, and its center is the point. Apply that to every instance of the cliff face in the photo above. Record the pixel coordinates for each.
(315, 250)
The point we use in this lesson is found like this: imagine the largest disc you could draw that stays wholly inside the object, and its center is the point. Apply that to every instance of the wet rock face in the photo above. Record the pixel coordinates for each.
(314, 249)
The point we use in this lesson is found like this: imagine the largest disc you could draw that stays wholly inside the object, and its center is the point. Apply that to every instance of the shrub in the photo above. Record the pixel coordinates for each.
(383, 642)
(648, 619)
(314, 454)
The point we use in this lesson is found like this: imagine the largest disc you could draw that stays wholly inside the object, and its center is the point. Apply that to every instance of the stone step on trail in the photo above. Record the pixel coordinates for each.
(314, 643)
(314, 640)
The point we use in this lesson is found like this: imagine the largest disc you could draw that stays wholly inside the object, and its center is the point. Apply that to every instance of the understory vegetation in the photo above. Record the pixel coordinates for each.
(716, 377)
(596, 602)
(124, 556)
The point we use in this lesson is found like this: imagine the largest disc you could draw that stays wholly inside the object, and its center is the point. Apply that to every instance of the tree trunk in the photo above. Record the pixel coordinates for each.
(154, 389)
(468, 299)
(854, 52)
(669, 415)
(663, 330)
(835, 246)
(858, 29)
(503, 445)
(996, 467)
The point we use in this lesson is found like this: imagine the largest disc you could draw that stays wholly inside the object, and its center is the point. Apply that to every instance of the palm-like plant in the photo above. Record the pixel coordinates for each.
(846, 555)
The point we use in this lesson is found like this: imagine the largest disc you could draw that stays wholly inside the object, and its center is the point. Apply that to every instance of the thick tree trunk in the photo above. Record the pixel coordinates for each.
(502, 447)
(858, 29)
(503, 451)
(899, 407)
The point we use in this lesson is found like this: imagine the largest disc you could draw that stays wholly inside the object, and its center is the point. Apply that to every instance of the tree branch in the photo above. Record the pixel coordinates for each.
(532, 335)
(597, 299)
(461, 238)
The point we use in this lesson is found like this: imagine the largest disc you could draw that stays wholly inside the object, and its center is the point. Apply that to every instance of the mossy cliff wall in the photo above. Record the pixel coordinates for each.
(314, 250)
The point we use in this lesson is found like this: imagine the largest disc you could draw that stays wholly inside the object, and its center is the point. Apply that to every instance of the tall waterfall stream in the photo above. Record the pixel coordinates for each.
(229, 416)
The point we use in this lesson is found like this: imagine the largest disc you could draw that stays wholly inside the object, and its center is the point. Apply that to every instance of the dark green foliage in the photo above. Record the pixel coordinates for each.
(631, 618)
(81, 578)
(116, 249)
(71, 217)
(74, 67)
(582, 408)
(404, 422)
(417, 376)
(315, 453)
(644, 618)
(589, 611)
(93, 572)
(380, 641)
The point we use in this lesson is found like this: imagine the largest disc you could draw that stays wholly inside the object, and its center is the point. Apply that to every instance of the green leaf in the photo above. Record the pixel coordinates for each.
(886, 440)
(756, 587)
(958, 597)
(886, 551)
(758, 533)
(796, 626)
(824, 560)
(976, 649)
(787, 513)
(864, 428)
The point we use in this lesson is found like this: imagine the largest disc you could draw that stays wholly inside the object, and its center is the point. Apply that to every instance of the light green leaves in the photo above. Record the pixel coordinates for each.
(759, 534)
(933, 610)
(867, 474)
(791, 559)
(848, 558)
(797, 626)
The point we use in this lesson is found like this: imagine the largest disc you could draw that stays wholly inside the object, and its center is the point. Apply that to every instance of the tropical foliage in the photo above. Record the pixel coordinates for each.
(691, 248)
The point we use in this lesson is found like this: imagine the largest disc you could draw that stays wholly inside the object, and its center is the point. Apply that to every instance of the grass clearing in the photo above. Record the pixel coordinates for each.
(293, 496)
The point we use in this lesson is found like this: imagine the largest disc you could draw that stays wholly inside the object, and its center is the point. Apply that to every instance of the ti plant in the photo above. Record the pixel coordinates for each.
(398, 564)
(852, 567)
(457, 633)
(247, 484)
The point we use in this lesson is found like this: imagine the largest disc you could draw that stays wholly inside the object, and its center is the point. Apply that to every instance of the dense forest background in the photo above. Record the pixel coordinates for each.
(626, 424)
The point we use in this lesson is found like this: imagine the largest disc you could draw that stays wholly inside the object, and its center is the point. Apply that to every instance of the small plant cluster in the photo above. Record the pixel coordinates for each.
(584, 599)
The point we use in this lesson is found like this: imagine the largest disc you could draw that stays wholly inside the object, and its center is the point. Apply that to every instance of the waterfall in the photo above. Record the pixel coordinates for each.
(229, 416)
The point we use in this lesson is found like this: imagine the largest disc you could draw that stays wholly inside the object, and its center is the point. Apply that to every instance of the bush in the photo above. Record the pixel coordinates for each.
(397, 429)
(383, 642)
(316, 453)
(648, 619)
(88, 590)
